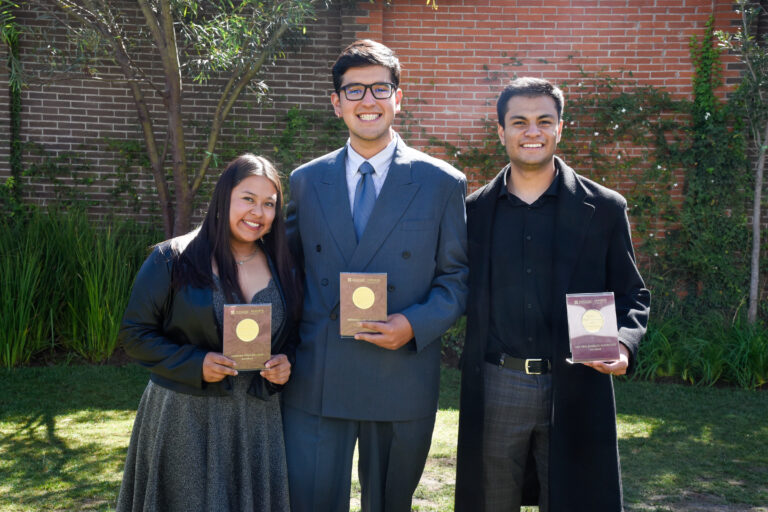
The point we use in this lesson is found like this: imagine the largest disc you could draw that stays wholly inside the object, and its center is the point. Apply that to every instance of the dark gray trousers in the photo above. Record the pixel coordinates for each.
(319, 452)
(516, 420)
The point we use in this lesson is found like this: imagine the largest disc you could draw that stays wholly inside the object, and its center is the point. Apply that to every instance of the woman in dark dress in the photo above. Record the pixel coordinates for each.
(208, 438)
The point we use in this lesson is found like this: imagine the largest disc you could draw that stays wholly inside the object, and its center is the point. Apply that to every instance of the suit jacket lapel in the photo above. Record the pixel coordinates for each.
(396, 195)
(574, 213)
(333, 198)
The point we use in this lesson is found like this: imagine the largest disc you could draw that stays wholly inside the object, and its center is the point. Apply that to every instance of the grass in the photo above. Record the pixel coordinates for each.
(683, 446)
(64, 433)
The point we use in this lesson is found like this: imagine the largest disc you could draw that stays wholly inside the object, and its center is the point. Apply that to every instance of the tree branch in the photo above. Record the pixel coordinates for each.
(236, 86)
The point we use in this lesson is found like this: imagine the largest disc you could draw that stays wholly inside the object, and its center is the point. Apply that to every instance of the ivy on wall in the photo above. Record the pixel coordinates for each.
(9, 33)
(680, 164)
(708, 254)
(296, 137)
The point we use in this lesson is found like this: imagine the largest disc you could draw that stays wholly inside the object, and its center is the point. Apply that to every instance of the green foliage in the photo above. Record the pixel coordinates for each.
(100, 265)
(131, 159)
(298, 136)
(68, 173)
(625, 135)
(453, 342)
(191, 40)
(706, 350)
(629, 137)
(71, 178)
(22, 296)
(9, 34)
(750, 99)
(750, 103)
(708, 253)
(64, 283)
(228, 38)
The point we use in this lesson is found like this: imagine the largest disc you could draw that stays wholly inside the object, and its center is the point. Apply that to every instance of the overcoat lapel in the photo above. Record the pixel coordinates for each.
(574, 213)
(485, 207)
(396, 195)
(333, 199)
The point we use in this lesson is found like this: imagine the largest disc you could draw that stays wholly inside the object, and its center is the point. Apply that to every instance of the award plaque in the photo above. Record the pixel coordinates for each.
(363, 298)
(592, 327)
(247, 335)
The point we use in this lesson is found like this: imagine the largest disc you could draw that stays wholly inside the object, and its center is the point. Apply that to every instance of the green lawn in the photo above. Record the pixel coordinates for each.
(64, 432)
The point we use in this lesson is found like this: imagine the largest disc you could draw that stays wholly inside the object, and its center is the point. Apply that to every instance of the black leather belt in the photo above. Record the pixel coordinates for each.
(529, 366)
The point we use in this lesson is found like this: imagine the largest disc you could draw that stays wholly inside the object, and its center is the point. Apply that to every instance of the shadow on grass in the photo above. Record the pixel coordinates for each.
(40, 467)
(680, 443)
(62, 389)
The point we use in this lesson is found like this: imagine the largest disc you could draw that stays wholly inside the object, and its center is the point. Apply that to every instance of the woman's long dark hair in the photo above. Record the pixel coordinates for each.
(193, 265)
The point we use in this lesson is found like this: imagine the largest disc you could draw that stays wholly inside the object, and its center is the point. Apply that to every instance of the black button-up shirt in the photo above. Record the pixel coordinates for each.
(522, 242)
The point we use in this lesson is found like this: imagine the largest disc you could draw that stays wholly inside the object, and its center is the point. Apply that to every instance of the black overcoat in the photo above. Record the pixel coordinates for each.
(593, 253)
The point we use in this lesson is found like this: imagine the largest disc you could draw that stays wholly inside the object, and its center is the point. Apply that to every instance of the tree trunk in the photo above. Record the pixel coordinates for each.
(754, 278)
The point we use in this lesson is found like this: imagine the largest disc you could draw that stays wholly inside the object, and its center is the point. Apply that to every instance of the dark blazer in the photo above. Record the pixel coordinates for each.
(171, 332)
(593, 253)
(417, 235)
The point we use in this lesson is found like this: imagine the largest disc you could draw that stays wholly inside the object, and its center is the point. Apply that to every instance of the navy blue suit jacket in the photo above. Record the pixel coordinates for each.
(417, 235)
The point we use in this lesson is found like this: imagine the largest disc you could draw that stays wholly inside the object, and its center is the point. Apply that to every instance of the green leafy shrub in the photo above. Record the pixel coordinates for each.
(706, 350)
(453, 342)
(22, 298)
(65, 282)
(102, 265)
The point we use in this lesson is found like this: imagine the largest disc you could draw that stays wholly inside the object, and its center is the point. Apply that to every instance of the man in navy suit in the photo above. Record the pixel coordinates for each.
(374, 205)
(534, 428)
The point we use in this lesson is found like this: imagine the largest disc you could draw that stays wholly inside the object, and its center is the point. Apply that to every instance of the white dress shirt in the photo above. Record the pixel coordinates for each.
(380, 162)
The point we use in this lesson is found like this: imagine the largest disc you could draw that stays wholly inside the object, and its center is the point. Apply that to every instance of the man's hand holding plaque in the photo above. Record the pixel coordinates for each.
(247, 336)
(363, 298)
(592, 327)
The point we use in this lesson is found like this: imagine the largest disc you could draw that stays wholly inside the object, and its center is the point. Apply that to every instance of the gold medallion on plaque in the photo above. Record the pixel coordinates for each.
(592, 320)
(363, 297)
(247, 330)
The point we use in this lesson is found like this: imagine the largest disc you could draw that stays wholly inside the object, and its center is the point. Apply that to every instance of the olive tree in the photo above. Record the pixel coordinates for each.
(193, 40)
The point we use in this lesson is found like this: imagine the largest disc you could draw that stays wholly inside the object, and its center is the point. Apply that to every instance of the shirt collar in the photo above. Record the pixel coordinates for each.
(551, 190)
(380, 161)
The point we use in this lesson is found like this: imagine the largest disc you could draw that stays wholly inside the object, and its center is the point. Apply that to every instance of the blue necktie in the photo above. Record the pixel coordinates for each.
(365, 198)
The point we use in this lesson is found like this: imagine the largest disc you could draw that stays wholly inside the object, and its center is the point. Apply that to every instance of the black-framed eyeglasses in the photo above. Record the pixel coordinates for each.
(380, 90)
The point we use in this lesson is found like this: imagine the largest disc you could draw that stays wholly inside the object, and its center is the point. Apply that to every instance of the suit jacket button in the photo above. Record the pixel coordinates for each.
(324, 282)
(318, 248)
(390, 288)
(334, 316)
(406, 255)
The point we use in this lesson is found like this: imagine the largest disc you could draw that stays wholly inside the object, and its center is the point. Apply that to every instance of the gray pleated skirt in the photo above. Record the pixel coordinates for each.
(196, 453)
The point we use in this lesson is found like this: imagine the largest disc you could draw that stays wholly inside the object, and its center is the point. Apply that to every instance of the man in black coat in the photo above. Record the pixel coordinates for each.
(534, 428)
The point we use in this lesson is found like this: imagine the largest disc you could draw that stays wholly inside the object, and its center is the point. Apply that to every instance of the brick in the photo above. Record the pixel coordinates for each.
(455, 60)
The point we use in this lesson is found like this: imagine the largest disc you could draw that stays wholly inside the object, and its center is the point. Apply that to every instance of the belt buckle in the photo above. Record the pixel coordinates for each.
(528, 362)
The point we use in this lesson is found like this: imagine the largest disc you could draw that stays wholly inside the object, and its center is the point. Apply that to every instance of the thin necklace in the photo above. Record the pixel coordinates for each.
(249, 258)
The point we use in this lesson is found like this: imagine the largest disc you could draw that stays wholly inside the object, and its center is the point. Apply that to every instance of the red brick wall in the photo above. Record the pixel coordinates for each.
(453, 66)
(456, 58)
(75, 114)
